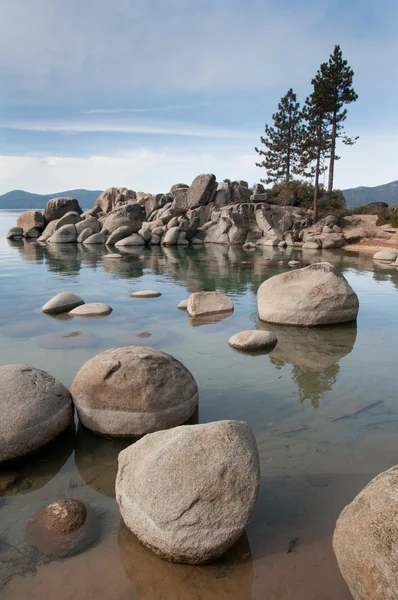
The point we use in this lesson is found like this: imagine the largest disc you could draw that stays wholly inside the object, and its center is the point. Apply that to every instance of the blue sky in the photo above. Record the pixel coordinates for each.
(147, 93)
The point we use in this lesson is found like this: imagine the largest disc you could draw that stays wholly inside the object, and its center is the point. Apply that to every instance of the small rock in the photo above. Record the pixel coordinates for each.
(253, 340)
(131, 240)
(311, 246)
(294, 263)
(208, 303)
(183, 305)
(14, 232)
(386, 255)
(119, 234)
(84, 235)
(112, 256)
(61, 303)
(96, 238)
(91, 309)
(249, 246)
(145, 294)
(63, 528)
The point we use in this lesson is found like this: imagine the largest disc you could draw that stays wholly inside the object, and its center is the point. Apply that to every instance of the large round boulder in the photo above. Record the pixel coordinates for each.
(58, 207)
(188, 493)
(365, 540)
(201, 191)
(35, 409)
(131, 215)
(131, 391)
(31, 219)
(314, 295)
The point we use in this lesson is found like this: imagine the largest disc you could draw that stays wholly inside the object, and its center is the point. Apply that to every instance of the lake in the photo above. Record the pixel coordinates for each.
(323, 406)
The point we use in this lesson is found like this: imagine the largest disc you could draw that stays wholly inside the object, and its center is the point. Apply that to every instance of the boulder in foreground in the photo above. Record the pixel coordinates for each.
(365, 540)
(131, 391)
(62, 303)
(208, 303)
(35, 409)
(188, 493)
(315, 295)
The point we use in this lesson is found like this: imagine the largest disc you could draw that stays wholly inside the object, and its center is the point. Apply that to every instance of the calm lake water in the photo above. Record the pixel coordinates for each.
(323, 406)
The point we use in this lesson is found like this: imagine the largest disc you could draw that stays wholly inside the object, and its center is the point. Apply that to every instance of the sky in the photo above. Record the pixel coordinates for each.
(147, 93)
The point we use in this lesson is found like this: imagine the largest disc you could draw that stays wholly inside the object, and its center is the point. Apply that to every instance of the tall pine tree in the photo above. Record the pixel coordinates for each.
(315, 141)
(338, 91)
(281, 154)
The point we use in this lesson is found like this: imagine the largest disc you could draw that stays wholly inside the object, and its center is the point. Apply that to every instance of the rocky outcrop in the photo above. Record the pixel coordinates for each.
(188, 493)
(63, 528)
(365, 540)
(129, 392)
(58, 207)
(114, 198)
(314, 295)
(35, 407)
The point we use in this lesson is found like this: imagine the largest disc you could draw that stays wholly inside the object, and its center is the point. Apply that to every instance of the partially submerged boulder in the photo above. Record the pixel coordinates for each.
(253, 341)
(14, 233)
(386, 255)
(208, 303)
(31, 219)
(365, 540)
(315, 295)
(35, 409)
(62, 303)
(131, 391)
(188, 493)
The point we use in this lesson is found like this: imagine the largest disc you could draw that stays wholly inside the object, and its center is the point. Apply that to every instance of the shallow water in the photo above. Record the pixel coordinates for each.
(304, 401)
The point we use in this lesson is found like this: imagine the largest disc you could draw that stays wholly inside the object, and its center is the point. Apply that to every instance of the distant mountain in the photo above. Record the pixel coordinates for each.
(362, 195)
(21, 199)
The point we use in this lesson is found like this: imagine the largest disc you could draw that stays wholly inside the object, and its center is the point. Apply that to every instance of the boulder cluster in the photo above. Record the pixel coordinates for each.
(204, 212)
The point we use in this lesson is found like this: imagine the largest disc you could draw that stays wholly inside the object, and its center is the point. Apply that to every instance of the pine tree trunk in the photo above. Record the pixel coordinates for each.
(316, 185)
(332, 154)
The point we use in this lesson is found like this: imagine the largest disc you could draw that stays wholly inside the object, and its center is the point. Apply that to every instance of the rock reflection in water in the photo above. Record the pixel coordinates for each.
(96, 460)
(314, 353)
(209, 319)
(37, 470)
(230, 578)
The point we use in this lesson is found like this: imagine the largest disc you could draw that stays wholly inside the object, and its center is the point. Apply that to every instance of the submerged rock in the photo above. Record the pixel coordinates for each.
(188, 493)
(208, 303)
(365, 540)
(145, 294)
(63, 528)
(131, 391)
(62, 303)
(35, 409)
(314, 295)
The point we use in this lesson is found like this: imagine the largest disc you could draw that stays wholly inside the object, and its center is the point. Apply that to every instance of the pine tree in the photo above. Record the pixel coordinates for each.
(315, 140)
(337, 78)
(281, 156)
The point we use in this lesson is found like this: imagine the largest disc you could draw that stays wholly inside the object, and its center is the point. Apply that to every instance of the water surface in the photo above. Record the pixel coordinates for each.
(323, 406)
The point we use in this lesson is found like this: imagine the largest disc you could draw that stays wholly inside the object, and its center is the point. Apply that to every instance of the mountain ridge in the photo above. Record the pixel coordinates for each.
(22, 199)
(387, 192)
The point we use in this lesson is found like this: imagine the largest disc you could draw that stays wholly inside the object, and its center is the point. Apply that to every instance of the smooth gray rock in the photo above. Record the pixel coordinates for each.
(91, 309)
(96, 238)
(155, 240)
(62, 303)
(171, 236)
(145, 294)
(132, 215)
(35, 409)
(365, 540)
(386, 255)
(65, 235)
(88, 222)
(70, 218)
(188, 493)
(119, 234)
(314, 295)
(84, 235)
(145, 234)
(253, 340)
(14, 232)
(131, 391)
(202, 190)
(131, 240)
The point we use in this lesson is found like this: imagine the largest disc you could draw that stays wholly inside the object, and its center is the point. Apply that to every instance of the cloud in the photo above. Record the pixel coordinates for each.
(160, 128)
(121, 111)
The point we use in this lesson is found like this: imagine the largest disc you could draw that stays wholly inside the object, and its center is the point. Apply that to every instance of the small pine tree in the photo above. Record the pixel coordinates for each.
(281, 156)
(338, 91)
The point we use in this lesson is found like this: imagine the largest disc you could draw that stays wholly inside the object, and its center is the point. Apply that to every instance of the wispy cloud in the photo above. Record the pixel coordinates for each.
(173, 129)
(121, 111)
